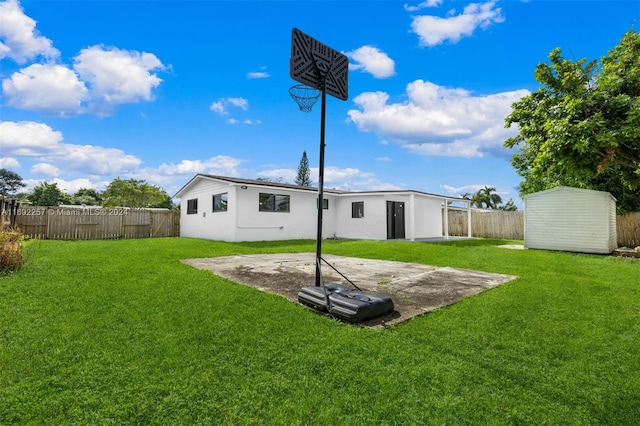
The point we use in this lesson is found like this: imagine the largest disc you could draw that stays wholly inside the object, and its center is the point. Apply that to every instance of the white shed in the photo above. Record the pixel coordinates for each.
(570, 219)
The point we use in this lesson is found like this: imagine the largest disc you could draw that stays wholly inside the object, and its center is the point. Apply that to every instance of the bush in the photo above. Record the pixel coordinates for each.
(10, 250)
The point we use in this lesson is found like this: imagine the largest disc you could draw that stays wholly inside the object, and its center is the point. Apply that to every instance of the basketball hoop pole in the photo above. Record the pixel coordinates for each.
(320, 184)
(319, 67)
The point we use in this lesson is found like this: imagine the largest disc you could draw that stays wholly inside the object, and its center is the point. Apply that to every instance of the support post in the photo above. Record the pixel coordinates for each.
(469, 233)
(446, 218)
(320, 186)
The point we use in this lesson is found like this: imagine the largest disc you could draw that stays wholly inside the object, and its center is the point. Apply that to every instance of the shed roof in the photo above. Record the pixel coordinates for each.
(568, 189)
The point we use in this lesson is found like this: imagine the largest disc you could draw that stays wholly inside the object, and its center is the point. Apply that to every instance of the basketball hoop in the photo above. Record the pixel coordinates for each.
(305, 96)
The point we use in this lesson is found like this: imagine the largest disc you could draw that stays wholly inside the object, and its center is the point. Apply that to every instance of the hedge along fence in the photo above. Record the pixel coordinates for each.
(92, 223)
(510, 225)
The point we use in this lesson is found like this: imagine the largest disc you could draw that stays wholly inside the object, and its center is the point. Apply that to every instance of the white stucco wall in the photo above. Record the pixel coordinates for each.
(299, 223)
(428, 217)
(207, 224)
(244, 222)
(570, 219)
(373, 226)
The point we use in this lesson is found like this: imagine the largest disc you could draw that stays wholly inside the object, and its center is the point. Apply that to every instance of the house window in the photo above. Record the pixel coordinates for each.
(357, 209)
(325, 204)
(220, 202)
(192, 206)
(274, 203)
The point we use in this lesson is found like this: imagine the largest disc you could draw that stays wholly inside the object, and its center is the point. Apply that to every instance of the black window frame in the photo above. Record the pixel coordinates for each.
(225, 199)
(271, 202)
(357, 209)
(325, 204)
(192, 206)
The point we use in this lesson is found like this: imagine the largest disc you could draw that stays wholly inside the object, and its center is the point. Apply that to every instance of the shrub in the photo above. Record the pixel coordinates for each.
(10, 250)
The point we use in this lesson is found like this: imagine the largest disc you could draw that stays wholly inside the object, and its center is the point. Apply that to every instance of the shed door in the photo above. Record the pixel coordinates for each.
(395, 220)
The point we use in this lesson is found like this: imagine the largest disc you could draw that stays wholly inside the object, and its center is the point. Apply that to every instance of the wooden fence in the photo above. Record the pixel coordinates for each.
(488, 224)
(510, 225)
(91, 223)
(628, 229)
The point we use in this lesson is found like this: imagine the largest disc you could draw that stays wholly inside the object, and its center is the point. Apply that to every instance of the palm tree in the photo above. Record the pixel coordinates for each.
(486, 198)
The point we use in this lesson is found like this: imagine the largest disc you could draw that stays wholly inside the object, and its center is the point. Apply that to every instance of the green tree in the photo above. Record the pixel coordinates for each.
(134, 193)
(509, 206)
(581, 128)
(10, 182)
(87, 196)
(303, 178)
(48, 194)
(268, 179)
(486, 198)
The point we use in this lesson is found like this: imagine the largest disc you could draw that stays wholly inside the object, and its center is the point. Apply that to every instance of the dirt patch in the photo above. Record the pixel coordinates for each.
(415, 289)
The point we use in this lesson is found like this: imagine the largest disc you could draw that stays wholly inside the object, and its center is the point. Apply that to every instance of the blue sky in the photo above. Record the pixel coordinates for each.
(162, 90)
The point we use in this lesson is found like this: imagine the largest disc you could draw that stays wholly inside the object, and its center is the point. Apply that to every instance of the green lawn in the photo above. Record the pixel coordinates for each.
(120, 332)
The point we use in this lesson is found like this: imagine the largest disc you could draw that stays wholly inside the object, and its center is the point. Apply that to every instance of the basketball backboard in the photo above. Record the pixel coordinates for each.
(312, 61)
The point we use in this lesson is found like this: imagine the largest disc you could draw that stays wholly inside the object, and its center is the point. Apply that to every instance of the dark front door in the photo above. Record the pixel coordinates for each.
(395, 220)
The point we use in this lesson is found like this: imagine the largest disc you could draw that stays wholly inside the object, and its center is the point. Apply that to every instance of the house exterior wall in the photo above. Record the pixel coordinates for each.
(428, 217)
(570, 219)
(373, 226)
(299, 223)
(205, 223)
(243, 220)
(423, 216)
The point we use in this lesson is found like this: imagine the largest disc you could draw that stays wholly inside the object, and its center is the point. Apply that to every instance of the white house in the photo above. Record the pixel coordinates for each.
(232, 209)
(570, 219)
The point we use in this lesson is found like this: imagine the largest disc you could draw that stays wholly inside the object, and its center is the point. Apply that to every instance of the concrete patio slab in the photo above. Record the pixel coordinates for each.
(415, 289)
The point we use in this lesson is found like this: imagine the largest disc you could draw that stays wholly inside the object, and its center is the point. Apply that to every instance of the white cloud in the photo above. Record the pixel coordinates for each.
(72, 186)
(258, 74)
(219, 165)
(19, 39)
(27, 138)
(94, 159)
(222, 105)
(9, 163)
(459, 190)
(346, 179)
(351, 179)
(102, 78)
(433, 30)
(45, 169)
(424, 4)
(218, 107)
(436, 120)
(239, 102)
(31, 139)
(334, 174)
(372, 60)
(116, 76)
(52, 89)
